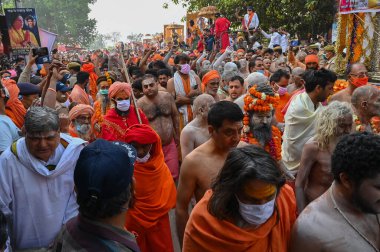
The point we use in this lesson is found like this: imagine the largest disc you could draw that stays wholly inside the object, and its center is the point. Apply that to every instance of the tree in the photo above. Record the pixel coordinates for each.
(67, 18)
(99, 42)
(134, 37)
(296, 16)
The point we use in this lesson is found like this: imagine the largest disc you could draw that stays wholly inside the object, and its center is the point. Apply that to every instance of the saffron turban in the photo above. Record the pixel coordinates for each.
(311, 59)
(119, 87)
(213, 74)
(88, 67)
(157, 57)
(141, 134)
(240, 51)
(80, 109)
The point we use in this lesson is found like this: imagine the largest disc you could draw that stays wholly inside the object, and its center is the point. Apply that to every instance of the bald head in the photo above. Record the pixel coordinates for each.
(298, 71)
(364, 93)
(366, 101)
(202, 103)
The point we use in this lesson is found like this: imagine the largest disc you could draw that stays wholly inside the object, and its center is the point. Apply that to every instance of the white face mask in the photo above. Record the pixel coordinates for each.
(256, 214)
(143, 159)
(123, 105)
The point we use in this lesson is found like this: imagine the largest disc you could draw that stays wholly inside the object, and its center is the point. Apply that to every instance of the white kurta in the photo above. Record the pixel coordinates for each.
(299, 127)
(38, 201)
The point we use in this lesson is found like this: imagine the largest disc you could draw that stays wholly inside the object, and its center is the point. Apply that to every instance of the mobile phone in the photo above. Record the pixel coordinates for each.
(42, 53)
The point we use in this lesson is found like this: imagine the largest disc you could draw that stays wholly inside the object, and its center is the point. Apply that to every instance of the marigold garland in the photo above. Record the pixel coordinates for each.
(109, 80)
(374, 122)
(358, 41)
(339, 85)
(274, 145)
(260, 102)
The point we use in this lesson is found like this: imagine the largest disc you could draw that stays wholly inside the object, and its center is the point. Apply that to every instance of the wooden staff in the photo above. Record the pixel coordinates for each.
(129, 81)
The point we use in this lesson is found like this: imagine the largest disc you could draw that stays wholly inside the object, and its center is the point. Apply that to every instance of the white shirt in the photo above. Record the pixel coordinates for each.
(8, 132)
(275, 38)
(38, 201)
(254, 22)
(284, 42)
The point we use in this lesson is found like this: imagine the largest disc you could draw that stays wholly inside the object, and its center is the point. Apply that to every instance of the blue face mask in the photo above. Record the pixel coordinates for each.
(103, 91)
(260, 71)
(123, 105)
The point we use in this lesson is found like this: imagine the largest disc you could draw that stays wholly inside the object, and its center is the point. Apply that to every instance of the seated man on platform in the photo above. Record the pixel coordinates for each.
(249, 207)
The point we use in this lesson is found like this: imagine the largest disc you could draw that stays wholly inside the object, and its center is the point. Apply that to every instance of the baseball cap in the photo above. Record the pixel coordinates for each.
(62, 87)
(28, 89)
(104, 169)
(249, 8)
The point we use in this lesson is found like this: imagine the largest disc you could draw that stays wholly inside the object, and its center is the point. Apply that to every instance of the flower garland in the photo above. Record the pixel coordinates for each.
(274, 145)
(374, 122)
(339, 85)
(261, 102)
(109, 80)
(358, 41)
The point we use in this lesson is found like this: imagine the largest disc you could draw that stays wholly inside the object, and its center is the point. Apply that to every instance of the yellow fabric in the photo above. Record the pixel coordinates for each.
(18, 36)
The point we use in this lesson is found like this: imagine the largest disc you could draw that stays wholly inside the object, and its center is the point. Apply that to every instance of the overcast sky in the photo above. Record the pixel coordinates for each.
(134, 16)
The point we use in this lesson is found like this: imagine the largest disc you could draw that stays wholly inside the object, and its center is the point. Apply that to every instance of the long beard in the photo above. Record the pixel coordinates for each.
(105, 101)
(262, 133)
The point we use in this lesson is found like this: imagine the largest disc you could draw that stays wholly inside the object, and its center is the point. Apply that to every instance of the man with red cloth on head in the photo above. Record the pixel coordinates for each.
(222, 25)
(123, 115)
(80, 122)
(154, 192)
(93, 89)
(14, 107)
(312, 62)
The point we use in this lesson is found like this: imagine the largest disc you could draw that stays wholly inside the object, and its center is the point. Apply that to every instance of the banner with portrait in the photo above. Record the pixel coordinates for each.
(354, 6)
(22, 29)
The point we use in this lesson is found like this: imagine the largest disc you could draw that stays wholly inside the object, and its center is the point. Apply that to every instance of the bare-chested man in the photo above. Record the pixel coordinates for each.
(196, 132)
(314, 176)
(346, 218)
(161, 111)
(366, 103)
(203, 164)
(357, 76)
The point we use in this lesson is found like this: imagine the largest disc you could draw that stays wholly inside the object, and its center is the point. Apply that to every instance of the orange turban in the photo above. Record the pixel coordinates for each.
(141, 134)
(240, 51)
(311, 59)
(88, 67)
(80, 109)
(14, 107)
(117, 87)
(213, 74)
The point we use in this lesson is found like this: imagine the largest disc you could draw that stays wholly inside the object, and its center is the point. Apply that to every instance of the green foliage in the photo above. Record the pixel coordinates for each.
(67, 18)
(296, 16)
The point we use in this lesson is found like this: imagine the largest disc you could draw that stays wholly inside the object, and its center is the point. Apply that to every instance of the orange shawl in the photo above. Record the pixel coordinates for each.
(186, 87)
(155, 192)
(79, 96)
(206, 233)
(97, 118)
(89, 68)
(14, 107)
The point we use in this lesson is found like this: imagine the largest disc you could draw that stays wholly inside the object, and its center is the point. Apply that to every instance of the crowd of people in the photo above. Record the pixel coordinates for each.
(255, 148)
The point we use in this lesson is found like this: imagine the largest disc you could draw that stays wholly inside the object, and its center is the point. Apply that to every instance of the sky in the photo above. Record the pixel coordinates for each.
(134, 16)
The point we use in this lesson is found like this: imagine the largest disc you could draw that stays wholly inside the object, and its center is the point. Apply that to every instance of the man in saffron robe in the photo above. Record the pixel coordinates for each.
(155, 192)
(210, 84)
(122, 116)
(90, 69)
(79, 92)
(247, 209)
(14, 107)
(222, 25)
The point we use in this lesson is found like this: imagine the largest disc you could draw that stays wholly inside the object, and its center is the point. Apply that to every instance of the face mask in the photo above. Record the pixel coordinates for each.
(225, 88)
(144, 159)
(185, 69)
(123, 105)
(260, 71)
(358, 82)
(103, 91)
(256, 214)
(281, 90)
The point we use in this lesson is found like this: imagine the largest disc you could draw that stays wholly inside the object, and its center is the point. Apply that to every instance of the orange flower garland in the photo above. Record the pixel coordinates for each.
(340, 85)
(273, 147)
(374, 122)
(257, 101)
(109, 80)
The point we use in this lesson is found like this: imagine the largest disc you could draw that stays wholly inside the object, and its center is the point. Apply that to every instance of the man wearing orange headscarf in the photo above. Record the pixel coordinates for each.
(154, 192)
(14, 107)
(312, 62)
(80, 122)
(89, 68)
(123, 115)
(210, 84)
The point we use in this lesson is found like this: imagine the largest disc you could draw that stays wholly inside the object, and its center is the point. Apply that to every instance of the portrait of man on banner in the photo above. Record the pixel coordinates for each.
(21, 35)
